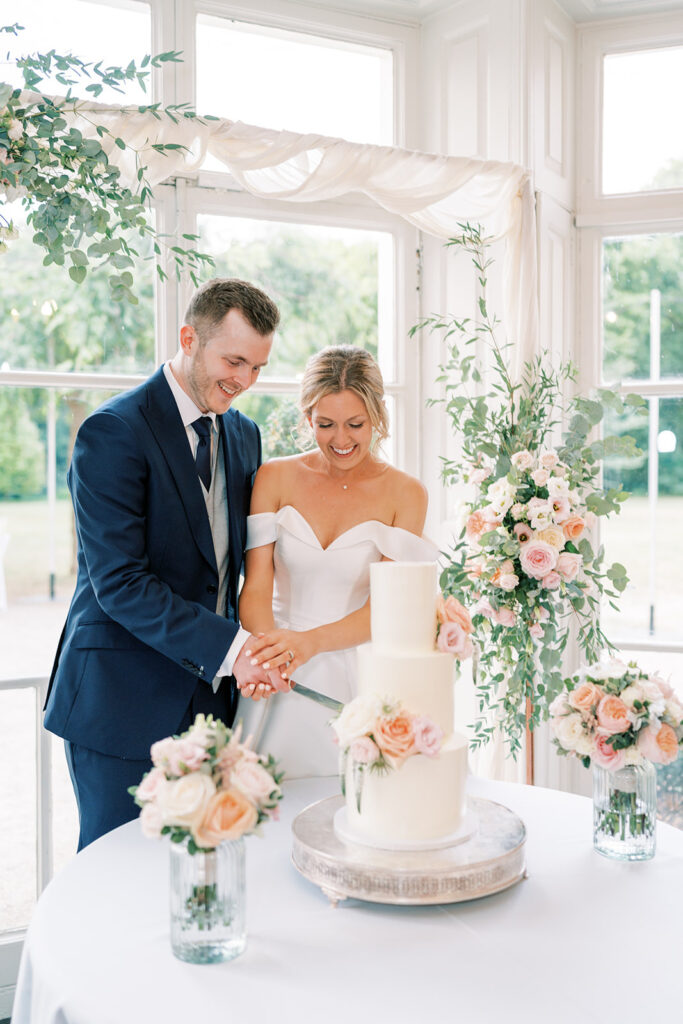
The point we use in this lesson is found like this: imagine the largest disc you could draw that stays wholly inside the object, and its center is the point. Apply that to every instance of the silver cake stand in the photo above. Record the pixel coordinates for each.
(491, 860)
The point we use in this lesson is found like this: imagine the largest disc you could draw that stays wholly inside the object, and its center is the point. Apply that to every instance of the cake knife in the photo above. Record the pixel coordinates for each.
(319, 698)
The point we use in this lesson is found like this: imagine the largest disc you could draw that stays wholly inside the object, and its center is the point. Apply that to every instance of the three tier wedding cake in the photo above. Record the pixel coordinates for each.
(403, 767)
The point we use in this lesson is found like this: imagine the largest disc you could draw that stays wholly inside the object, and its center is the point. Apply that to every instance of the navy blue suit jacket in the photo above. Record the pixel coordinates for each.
(142, 629)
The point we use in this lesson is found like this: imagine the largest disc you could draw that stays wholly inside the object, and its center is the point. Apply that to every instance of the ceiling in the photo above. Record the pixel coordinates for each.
(579, 10)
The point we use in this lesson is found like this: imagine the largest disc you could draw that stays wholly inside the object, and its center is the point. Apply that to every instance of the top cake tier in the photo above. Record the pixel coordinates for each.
(403, 606)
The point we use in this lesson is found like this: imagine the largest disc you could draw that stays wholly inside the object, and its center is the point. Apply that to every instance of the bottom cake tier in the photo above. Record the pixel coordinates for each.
(423, 799)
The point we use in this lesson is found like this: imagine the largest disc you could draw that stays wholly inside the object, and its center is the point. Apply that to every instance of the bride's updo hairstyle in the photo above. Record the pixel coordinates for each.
(344, 368)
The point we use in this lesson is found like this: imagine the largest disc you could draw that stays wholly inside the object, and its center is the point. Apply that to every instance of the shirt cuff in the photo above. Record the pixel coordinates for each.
(228, 663)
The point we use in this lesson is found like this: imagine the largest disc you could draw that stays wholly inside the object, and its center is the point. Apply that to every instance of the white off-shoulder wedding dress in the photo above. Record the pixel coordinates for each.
(315, 585)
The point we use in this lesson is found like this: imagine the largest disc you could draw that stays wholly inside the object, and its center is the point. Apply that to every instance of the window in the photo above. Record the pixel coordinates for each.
(64, 349)
(630, 245)
(294, 81)
(342, 271)
(641, 104)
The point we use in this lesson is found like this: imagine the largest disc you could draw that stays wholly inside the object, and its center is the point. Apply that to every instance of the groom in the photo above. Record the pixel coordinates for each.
(160, 480)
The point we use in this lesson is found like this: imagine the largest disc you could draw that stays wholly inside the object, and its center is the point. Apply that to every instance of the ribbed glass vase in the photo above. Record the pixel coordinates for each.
(208, 922)
(625, 811)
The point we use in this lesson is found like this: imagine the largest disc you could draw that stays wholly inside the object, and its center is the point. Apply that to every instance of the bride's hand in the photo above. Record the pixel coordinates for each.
(282, 649)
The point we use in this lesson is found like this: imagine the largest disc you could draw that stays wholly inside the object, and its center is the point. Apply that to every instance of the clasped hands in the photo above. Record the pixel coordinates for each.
(266, 662)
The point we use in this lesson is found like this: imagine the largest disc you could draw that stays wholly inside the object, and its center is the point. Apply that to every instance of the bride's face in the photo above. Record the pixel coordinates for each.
(342, 429)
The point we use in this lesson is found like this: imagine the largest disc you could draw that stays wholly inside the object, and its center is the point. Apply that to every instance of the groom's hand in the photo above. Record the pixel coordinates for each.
(252, 680)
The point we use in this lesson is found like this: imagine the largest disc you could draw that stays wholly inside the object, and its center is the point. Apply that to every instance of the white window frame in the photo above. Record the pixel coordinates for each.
(602, 216)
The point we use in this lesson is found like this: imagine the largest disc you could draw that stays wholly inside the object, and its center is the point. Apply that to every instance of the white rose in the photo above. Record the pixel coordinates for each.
(569, 730)
(357, 719)
(548, 458)
(522, 460)
(557, 487)
(15, 130)
(674, 710)
(584, 745)
(253, 780)
(184, 801)
(632, 755)
(631, 694)
(608, 670)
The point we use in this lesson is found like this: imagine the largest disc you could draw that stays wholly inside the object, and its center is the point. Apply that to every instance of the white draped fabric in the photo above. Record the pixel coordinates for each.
(435, 193)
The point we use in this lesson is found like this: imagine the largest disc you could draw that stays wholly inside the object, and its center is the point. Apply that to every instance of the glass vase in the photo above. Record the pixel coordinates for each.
(208, 923)
(625, 811)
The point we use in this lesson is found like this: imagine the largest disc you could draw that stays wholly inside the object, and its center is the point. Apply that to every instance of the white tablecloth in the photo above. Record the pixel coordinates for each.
(581, 938)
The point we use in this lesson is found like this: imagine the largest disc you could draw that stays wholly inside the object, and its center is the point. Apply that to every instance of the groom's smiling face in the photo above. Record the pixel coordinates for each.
(221, 363)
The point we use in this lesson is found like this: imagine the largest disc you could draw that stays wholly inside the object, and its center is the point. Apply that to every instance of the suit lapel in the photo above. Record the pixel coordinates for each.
(161, 413)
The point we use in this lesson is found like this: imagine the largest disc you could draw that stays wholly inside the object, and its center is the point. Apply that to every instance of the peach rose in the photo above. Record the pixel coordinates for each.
(228, 816)
(394, 736)
(552, 535)
(540, 477)
(479, 523)
(551, 580)
(613, 714)
(573, 527)
(659, 745)
(537, 558)
(568, 565)
(584, 697)
(451, 610)
(606, 756)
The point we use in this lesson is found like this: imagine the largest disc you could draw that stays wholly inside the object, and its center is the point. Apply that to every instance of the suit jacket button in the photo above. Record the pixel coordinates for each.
(211, 589)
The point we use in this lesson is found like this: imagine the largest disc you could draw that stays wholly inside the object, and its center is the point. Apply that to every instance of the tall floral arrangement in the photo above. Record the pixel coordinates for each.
(79, 210)
(524, 564)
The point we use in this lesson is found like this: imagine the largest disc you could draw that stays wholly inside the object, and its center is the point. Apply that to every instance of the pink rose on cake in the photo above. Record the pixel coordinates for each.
(428, 736)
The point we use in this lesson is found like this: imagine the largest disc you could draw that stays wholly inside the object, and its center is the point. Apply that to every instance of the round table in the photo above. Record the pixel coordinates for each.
(581, 937)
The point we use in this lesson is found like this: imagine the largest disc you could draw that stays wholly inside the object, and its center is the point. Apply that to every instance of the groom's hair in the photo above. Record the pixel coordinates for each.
(216, 298)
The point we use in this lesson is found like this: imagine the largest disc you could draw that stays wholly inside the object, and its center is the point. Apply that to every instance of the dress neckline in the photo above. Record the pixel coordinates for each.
(344, 533)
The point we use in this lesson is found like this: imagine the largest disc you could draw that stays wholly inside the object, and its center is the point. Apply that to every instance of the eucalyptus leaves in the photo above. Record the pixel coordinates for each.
(80, 212)
(524, 563)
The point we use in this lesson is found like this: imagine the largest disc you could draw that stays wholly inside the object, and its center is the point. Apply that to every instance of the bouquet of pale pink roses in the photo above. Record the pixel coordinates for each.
(206, 786)
(616, 715)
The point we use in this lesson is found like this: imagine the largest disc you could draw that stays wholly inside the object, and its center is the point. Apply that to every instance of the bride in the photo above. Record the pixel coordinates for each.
(318, 520)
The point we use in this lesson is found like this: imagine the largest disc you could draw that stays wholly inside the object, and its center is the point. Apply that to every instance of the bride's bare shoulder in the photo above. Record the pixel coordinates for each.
(409, 498)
